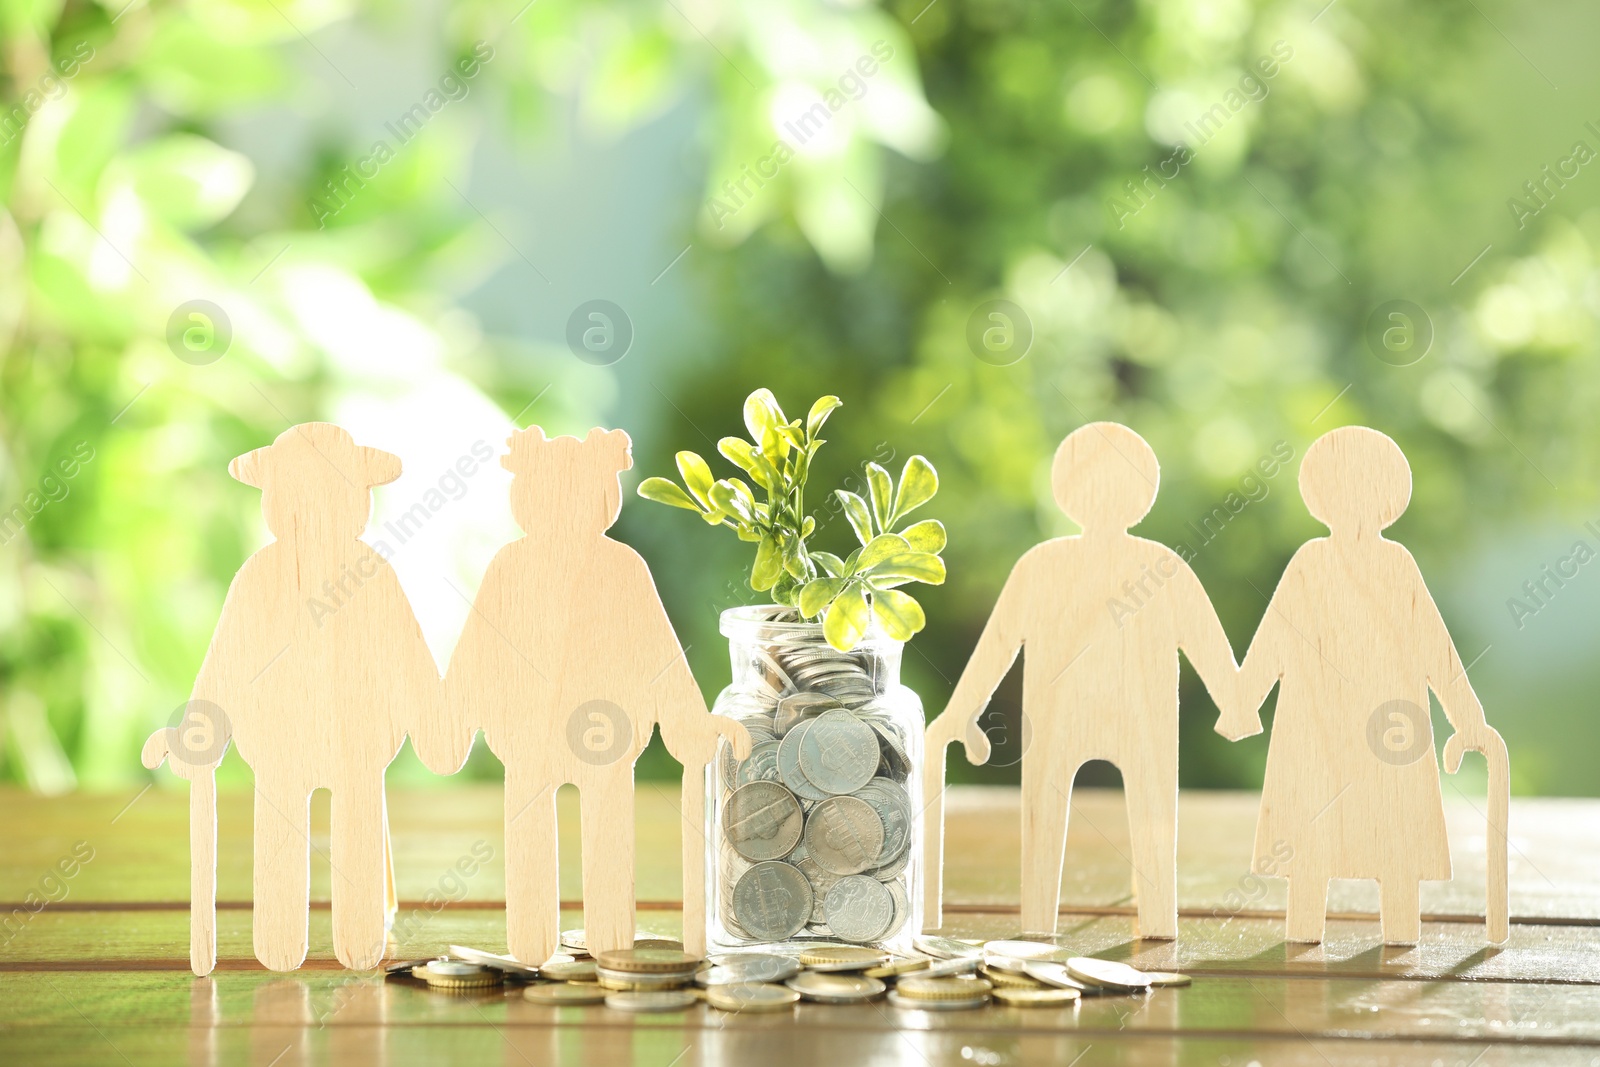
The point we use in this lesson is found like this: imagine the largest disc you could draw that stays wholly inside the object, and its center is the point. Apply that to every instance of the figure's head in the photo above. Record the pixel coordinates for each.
(1105, 477)
(1355, 480)
(563, 478)
(315, 481)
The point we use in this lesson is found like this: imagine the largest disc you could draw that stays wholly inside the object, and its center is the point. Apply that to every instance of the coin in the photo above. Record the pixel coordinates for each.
(630, 980)
(821, 881)
(564, 993)
(659, 1000)
(1035, 998)
(920, 988)
(859, 908)
(789, 771)
(830, 958)
(945, 968)
(753, 969)
(455, 974)
(658, 942)
(892, 750)
(575, 940)
(489, 959)
(1107, 974)
(902, 909)
(797, 706)
(945, 948)
(894, 810)
(569, 971)
(839, 753)
(762, 821)
(1051, 973)
(1009, 964)
(1005, 978)
(843, 835)
(899, 1000)
(898, 966)
(751, 996)
(772, 901)
(835, 988)
(1023, 950)
(405, 969)
(1167, 978)
(762, 766)
(648, 961)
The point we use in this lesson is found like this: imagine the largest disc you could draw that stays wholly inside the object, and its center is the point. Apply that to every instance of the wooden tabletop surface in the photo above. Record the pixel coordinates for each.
(94, 965)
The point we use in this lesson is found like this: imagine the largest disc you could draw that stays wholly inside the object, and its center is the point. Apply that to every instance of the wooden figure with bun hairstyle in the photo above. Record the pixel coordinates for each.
(1356, 643)
(567, 662)
(1099, 618)
(316, 668)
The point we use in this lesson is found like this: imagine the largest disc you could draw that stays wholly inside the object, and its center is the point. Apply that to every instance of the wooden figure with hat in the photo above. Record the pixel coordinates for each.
(316, 667)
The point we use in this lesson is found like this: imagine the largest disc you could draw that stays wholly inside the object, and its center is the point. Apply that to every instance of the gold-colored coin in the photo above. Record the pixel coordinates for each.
(915, 988)
(1004, 980)
(455, 975)
(648, 960)
(1035, 998)
(658, 942)
(752, 996)
(565, 993)
(1167, 978)
(837, 955)
(896, 967)
(641, 983)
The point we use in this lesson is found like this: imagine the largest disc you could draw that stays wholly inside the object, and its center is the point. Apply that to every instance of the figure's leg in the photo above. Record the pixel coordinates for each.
(533, 883)
(1046, 800)
(1400, 911)
(607, 816)
(1151, 790)
(356, 859)
(1307, 912)
(282, 909)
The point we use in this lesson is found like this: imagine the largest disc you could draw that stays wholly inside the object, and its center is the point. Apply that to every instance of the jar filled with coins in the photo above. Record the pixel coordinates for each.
(817, 836)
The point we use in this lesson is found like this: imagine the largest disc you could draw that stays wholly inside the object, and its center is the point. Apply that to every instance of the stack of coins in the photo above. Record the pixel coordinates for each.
(817, 826)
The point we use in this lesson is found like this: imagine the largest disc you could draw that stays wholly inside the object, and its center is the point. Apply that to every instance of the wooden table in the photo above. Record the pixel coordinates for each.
(99, 975)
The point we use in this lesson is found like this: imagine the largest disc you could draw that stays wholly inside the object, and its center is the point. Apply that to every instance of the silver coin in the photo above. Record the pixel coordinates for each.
(775, 676)
(821, 881)
(652, 1000)
(843, 835)
(1108, 974)
(1051, 973)
(835, 988)
(889, 872)
(762, 821)
(894, 808)
(859, 908)
(946, 948)
(789, 771)
(754, 967)
(839, 753)
(762, 766)
(950, 967)
(892, 749)
(772, 901)
(797, 706)
(902, 909)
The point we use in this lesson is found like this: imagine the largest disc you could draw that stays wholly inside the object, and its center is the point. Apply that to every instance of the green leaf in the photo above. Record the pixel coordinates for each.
(786, 591)
(918, 483)
(882, 492)
(696, 476)
(898, 613)
(831, 563)
(855, 509)
(820, 412)
(808, 527)
(768, 565)
(916, 566)
(818, 594)
(847, 619)
(794, 561)
(729, 501)
(741, 453)
(884, 546)
(925, 536)
(758, 413)
(663, 491)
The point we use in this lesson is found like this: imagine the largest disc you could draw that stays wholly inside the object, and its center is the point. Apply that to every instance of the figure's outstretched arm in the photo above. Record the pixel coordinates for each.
(1261, 669)
(1002, 638)
(1203, 641)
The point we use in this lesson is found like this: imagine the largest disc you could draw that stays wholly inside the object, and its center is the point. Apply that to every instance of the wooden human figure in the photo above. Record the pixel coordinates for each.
(1352, 784)
(1100, 618)
(567, 662)
(316, 666)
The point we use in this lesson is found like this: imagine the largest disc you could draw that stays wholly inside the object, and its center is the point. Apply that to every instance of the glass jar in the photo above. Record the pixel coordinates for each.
(817, 836)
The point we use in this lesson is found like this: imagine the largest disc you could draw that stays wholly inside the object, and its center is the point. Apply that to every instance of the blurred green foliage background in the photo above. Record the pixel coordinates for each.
(397, 244)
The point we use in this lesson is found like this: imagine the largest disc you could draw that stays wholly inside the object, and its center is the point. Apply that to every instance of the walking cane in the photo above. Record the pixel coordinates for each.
(202, 848)
(1497, 909)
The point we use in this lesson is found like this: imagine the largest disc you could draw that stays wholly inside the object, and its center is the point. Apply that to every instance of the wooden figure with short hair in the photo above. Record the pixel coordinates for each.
(1100, 618)
(315, 669)
(1356, 643)
(567, 662)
